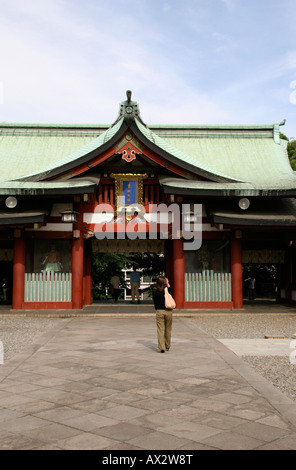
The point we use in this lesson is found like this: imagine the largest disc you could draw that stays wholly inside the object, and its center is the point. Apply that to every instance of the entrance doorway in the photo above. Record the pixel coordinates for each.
(119, 258)
(266, 280)
(6, 268)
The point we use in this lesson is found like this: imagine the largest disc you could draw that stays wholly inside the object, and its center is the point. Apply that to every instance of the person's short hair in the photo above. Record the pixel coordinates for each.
(160, 283)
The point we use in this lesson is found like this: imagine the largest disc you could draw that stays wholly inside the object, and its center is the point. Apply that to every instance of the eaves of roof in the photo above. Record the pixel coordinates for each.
(262, 220)
(15, 188)
(208, 188)
(24, 217)
(282, 212)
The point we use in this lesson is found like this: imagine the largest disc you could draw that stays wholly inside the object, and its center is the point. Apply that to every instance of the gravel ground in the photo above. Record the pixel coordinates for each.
(276, 369)
(247, 325)
(17, 333)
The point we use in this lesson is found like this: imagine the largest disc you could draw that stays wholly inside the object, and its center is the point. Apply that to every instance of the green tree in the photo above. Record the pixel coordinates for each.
(292, 153)
(151, 264)
(104, 266)
(291, 149)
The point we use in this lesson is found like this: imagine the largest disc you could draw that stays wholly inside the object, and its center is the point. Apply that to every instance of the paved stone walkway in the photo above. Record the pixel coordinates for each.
(100, 383)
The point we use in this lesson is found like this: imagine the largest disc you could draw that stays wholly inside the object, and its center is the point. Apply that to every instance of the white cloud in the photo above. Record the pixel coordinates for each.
(59, 83)
(229, 4)
(71, 61)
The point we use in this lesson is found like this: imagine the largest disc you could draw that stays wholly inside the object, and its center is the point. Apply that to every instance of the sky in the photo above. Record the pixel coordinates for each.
(186, 62)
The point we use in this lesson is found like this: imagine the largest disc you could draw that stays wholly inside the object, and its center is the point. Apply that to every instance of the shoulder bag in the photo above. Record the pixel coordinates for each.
(168, 300)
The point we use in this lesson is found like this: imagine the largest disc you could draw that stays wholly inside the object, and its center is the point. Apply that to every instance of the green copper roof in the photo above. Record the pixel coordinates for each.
(181, 154)
(258, 161)
(28, 151)
(234, 158)
(75, 155)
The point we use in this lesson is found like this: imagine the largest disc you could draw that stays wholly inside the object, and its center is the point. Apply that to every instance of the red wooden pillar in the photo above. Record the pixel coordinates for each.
(169, 268)
(77, 264)
(87, 273)
(236, 272)
(179, 272)
(19, 267)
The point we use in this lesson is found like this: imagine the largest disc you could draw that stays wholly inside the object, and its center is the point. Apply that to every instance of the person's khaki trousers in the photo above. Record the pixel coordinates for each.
(135, 290)
(164, 321)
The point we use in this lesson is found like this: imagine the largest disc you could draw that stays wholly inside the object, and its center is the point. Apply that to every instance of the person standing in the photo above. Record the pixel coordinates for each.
(135, 285)
(164, 316)
(115, 283)
(251, 287)
(4, 290)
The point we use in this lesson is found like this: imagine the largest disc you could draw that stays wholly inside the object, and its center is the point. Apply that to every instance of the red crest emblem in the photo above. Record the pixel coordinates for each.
(129, 152)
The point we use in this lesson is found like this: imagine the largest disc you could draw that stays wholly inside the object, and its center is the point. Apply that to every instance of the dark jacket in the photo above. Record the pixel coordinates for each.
(158, 299)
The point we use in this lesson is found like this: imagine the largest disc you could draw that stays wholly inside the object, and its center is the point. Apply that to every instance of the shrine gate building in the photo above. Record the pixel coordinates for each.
(211, 198)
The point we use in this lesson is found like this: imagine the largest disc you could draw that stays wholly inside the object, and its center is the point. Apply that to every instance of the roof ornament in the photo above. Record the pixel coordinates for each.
(128, 95)
(277, 132)
(129, 110)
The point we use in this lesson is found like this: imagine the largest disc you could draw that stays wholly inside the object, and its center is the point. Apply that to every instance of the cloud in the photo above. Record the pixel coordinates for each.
(186, 62)
(80, 73)
(229, 4)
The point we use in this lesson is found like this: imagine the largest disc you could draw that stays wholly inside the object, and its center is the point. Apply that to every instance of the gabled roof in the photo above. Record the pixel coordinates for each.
(216, 160)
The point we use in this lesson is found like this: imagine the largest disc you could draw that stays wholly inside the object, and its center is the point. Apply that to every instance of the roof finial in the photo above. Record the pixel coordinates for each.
(129, 110)
(128, 95)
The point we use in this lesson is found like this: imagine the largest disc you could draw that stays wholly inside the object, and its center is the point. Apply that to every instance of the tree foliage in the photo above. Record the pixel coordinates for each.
(105, 265)
(291, 149)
